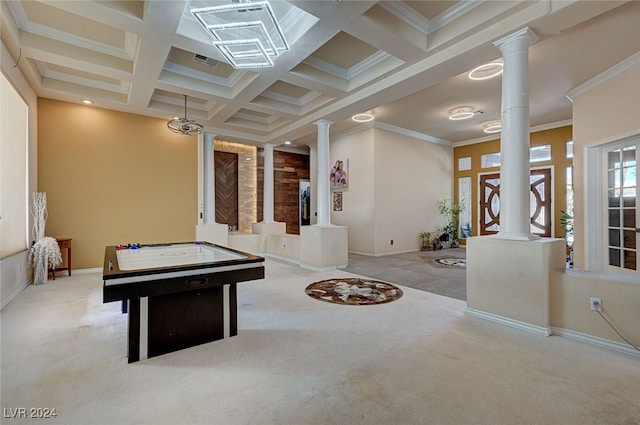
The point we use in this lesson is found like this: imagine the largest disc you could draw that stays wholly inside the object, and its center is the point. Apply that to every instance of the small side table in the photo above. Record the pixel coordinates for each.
(63, 243)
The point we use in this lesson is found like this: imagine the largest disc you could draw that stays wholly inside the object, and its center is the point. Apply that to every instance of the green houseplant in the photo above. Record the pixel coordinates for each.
(451, 211)
(566, 222)
(425, 240)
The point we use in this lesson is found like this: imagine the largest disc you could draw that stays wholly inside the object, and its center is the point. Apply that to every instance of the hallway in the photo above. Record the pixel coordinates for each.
(416, 270)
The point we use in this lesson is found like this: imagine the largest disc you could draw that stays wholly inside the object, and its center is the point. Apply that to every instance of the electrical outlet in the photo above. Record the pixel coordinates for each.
(596, 304)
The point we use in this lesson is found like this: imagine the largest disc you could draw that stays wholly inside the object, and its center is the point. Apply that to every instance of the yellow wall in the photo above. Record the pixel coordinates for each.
(112, 177)
(557, 138)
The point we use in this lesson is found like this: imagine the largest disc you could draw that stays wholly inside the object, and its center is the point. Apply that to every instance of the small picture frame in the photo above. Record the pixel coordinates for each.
(337, 201)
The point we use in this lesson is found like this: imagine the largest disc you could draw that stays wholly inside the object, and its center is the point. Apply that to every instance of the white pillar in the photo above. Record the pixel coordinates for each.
(324, 200)
(267, 197)
(209, 183)
(515, 215)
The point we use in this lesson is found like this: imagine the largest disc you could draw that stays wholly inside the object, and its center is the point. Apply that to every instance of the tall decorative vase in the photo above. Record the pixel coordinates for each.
(45, 250)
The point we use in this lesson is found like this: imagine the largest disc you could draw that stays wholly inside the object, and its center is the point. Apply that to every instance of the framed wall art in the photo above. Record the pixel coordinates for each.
(339, 174)
(337, 201)
(305, 202)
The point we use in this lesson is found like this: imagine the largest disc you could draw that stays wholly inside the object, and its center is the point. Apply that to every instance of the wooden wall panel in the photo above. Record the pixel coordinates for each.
(288, 169)
(226, 170)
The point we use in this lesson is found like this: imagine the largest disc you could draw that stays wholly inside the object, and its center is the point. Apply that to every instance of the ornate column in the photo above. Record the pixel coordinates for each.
(267, 199)
(515, 215)
(209, 180)
(324, 201)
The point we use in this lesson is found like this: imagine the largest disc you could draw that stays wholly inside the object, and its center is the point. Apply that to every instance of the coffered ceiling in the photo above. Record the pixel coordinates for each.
(406, 61)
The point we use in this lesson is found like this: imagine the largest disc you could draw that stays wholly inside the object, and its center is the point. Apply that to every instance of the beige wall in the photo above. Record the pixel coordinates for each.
(595, 123)
(395, 184)
(112, 177)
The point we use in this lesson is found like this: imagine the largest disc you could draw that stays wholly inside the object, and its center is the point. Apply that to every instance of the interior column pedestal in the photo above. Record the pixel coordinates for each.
(323, 247)
(509, 281)
(215, 233)
(266, 229)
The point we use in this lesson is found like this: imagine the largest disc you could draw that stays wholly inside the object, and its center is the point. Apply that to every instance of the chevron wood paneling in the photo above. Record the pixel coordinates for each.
(226, 170)
(288, 169)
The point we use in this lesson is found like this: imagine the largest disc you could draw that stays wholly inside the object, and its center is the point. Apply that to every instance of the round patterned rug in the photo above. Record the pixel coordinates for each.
(451, 262)
(354, 291)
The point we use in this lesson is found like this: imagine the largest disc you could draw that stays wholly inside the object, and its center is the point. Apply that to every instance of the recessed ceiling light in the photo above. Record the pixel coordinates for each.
(363, 117)
(492, 127)
(461, 113)
(486, 71)
(288, 142)
(87, 102)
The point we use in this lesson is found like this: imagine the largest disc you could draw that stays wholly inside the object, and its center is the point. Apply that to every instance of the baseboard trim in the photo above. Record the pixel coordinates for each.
(512, 323)
(87, 271)
(285, 259)
(323, 269)
(14, 294)
(594, 340)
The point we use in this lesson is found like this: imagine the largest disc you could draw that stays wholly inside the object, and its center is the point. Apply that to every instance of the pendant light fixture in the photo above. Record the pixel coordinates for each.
(184, 125)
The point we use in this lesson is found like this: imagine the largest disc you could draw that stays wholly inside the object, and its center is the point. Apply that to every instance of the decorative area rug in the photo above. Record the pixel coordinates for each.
(460, 263)
(353, 291)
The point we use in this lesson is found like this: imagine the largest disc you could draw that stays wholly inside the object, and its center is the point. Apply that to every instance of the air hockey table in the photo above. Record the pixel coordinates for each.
(176, 295)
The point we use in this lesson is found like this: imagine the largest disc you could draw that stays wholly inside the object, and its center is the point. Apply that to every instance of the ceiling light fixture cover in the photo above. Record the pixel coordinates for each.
(461, 113)
(184, 125)
(363, 117)
(492, 127)
(246, 33)
(486, 71)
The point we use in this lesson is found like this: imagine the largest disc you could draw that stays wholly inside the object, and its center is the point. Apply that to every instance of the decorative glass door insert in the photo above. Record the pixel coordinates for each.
(540, 202)
(623, 227)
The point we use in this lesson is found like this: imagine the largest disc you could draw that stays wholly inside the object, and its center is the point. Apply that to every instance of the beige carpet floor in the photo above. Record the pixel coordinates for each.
(297, 360)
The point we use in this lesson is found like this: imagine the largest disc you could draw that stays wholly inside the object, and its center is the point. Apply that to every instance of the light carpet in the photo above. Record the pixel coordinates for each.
(417, 360)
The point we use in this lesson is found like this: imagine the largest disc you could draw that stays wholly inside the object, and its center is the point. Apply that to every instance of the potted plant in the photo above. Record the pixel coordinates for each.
(425, 238)
(451, 211)
(566, 222)
(436, 243)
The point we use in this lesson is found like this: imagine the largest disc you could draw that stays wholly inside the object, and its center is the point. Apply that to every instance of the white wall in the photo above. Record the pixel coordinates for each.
(15, 273)
(411, 176)
(358, 203)
(395, 183)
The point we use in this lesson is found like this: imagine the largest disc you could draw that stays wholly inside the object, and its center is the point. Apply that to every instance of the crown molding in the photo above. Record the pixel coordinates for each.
(610, 73)
(393, 129)
(542, 127)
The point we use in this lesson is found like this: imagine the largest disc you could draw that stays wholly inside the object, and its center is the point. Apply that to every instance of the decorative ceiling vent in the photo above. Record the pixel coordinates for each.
(205, 60)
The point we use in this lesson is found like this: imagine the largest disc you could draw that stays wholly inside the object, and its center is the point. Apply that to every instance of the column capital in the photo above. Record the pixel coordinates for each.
(526, 33)
(323, 123)
(208, 137)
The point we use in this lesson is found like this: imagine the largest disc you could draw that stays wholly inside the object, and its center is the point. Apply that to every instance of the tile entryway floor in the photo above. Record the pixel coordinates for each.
(415, 270)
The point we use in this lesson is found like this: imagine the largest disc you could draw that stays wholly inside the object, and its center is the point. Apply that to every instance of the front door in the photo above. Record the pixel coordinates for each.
(540, 195)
